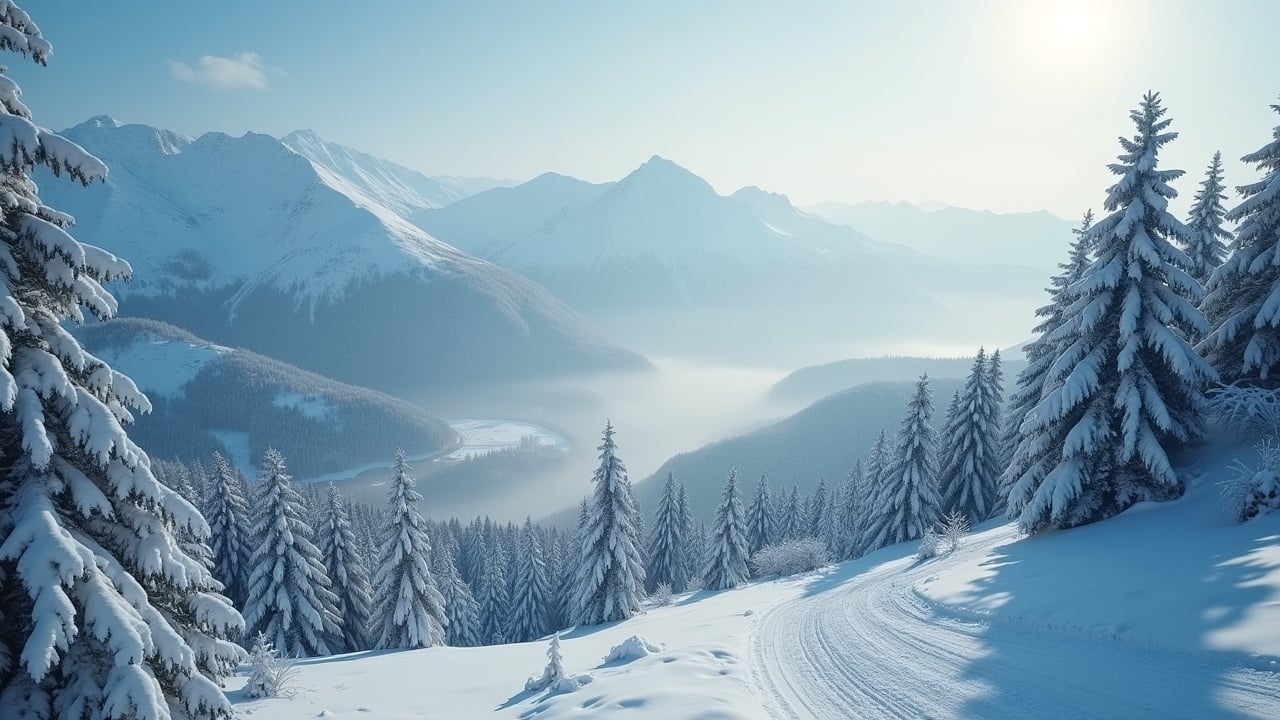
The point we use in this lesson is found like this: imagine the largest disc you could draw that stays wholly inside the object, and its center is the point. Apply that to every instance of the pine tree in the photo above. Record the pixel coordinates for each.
(833, 533)
(409, 604)
(692, 554)
(908, 503)
(760, 523)
(854, 496)
(348, 573)
(460, 606)
(1126, 383)
(1041, 354)
(1207, 244)
(698, 553)
(495, 601)
(727, 565)
(1243, 302)
(666, 545)
(817, 515)
(610, 581)
(877, 467)
(290, 600)
(228, 514)
(102, 613)
(971, 466)
(792, 523)
(532, 596)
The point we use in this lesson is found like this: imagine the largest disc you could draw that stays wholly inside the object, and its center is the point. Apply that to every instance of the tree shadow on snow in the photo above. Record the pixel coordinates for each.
(1039, 664)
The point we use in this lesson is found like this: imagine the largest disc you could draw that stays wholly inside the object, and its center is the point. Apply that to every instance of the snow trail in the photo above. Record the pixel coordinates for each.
(863, 643)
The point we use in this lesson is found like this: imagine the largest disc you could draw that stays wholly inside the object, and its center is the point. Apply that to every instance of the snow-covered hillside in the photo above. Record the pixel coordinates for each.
(662, 239)
(1168, 611)
(247, 242)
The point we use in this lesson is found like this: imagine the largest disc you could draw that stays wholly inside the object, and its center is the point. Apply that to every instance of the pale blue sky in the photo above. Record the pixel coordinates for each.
(1000, 104)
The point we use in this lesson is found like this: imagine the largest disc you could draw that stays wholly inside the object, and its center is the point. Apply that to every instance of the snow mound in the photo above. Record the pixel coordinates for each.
(633, 648)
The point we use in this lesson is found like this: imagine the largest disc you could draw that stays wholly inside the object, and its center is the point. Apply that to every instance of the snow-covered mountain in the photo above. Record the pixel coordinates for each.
(660, 255)
(1033, 239)
(209, 397)
(392, 185)
(247, 242)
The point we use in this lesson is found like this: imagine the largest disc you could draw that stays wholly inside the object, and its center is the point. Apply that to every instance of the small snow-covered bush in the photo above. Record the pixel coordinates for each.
(553, 672)
(661, 595)
(952, 528)
(1253, 491)
(270, 675)
(930, 545)
(1246, 410)
(633, 648)
(790, 557)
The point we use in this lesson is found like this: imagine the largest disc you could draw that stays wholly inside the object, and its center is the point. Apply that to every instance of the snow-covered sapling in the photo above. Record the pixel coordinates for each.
(1253, 491)
(661, 596)
(553, 673)
(930, 545)
(952, 528)
(271, 675)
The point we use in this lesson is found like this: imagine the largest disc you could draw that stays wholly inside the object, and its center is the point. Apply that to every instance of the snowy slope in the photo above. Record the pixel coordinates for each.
(1003, 628)
(249, 243)
(394, 186)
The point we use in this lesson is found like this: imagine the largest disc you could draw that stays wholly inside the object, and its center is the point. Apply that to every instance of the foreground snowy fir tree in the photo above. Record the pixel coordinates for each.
(666, 545)
(409, 607)
(610, 581)
(760, 522)
(1207, 239)
(102, 613)
(1243, 300)
(460, 606)
(227, 512)
(290, 601)
(344, 561)
(1126, 385)
(971, 464)
(531, 596)
(907, 502)
(727, 564)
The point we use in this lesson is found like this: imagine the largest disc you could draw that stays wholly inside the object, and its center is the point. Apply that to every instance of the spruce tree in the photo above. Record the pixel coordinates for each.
(791, 525)
(817, 515)
(855, 499)
(1207, 244)
(495, 601)
(532, 596)
(833, 531)
(1126, 384)
(102, 613)
(877, 467)
(227, 511)
(347, 571)
(290, 600)
(460, 606)
(409, 604)
(1243, 300)
(1041, 354)
(971, 466)
(760, 523)
(666, 545)
(907, 505)
(610, 581)
(727, 564)
(691, 567)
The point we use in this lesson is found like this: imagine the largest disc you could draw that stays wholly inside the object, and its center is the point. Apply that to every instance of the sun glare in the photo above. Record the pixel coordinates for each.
(1069, 24)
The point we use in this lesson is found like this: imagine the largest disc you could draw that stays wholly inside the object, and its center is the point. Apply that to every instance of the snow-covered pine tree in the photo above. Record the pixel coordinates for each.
(495, 600)
(347, 571)
(289, 595)
(1126, 383)
(692, 553)
(876, 468)
(971, 465)
(727, 564)
(854, 503)
(227, 511)
(1208, 241)
(698, 541)
(531, 596)
(409, 604)
(1243, 302)
(817, 515)
(832, 533)
(666, 545)
(760, 523)
(610, 580)
(460, 606)
(791, 525)
(1041, 353)
(908, 503)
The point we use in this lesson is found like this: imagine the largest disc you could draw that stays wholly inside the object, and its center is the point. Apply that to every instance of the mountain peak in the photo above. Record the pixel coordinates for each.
(306, 135)
(659, 172)
(103, 121)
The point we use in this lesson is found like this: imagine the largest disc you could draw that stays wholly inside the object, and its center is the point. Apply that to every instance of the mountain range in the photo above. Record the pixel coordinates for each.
(249, 242)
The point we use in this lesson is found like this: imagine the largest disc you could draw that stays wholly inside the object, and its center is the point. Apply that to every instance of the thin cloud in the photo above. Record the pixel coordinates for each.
(243, 70)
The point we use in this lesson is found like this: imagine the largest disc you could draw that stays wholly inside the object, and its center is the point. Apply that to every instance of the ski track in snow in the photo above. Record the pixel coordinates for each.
(870, 646)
